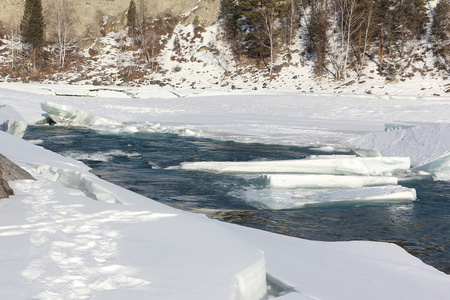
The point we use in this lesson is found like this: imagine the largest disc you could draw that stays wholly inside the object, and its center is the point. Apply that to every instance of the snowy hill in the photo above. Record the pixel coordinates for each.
(197, 57)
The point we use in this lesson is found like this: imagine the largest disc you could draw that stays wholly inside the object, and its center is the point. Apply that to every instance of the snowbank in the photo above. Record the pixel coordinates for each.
(83, 248)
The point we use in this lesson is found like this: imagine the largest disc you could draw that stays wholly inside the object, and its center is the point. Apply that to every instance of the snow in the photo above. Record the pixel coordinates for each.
(71, 235)
(73, 247)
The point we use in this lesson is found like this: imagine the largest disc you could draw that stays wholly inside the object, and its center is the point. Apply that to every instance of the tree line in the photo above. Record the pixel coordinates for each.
(338, 35)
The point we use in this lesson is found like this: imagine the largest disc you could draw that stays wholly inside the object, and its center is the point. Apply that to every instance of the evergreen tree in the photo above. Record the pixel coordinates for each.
(410, 18)
(290, 15)
(441, 21)
(228, 12)
(383, 25)
(131, 18)
(258, 22)
(32, 27)
(317, 34)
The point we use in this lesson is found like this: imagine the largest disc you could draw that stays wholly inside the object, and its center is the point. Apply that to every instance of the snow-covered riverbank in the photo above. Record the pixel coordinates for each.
(61, 244)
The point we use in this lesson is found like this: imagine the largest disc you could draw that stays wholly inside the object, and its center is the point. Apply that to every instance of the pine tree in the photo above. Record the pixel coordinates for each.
(32, 27)
(290, 19)
(410, 18)
(259, 24)
(317, 34)
(131, 18)
(228, 12)
(441, 21)
(383, 24)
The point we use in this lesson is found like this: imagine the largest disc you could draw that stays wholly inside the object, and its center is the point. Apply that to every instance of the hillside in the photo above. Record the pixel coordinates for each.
(187, 49)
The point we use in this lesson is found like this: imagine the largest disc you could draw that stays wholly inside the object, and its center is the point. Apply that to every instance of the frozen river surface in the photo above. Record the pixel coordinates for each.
(149, 164)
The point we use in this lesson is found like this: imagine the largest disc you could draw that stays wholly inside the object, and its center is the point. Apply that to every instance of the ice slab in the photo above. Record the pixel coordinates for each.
(291, 181)
(288, 199)
(423, 144)
(318, 165)
(439, 168)
(11, 121)
(68, 115)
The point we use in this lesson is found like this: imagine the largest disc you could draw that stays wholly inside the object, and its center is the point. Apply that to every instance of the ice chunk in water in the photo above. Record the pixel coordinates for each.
(68, 115)
(318, 165)
(326, 181)
(440, 168)
(288, 199)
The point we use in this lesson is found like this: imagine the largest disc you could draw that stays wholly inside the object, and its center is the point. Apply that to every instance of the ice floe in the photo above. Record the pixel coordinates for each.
(298, 198)
(316, 165)
(326, 181)
(68, 115)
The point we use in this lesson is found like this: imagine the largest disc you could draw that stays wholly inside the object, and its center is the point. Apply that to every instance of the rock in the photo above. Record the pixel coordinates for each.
(9, 171)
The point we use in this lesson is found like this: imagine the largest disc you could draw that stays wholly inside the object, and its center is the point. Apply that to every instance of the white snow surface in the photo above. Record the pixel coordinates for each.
(71, 235)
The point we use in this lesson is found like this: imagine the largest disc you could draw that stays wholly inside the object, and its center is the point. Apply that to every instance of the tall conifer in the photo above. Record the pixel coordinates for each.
(32, 27)
(132, 17)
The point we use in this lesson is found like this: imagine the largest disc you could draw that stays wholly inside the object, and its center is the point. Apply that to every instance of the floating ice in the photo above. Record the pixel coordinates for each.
(318, 165)
(326, 181)
(288, 199)
(100, 156)
(68, 115)
(439, 168)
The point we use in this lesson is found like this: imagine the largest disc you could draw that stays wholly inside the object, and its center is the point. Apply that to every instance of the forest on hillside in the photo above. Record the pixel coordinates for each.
(338, 37)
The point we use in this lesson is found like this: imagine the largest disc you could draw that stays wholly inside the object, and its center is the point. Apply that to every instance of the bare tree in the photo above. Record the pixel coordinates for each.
(347, 24)
(14, 40)
(146, 36)
(292, 15)
(269, 18)
(63, 19)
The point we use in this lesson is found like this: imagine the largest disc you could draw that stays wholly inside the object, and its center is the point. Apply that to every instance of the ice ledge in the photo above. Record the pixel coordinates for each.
(11, 121)
(68, 115)
(83, 182)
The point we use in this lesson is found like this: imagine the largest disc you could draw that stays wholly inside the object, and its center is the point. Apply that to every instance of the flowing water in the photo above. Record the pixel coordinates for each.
(146, 163)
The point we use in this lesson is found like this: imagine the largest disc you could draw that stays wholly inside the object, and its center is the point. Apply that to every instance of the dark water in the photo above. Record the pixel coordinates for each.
(139, 162)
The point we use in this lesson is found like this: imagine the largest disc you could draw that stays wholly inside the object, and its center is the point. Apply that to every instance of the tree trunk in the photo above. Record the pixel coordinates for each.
(381, 51)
